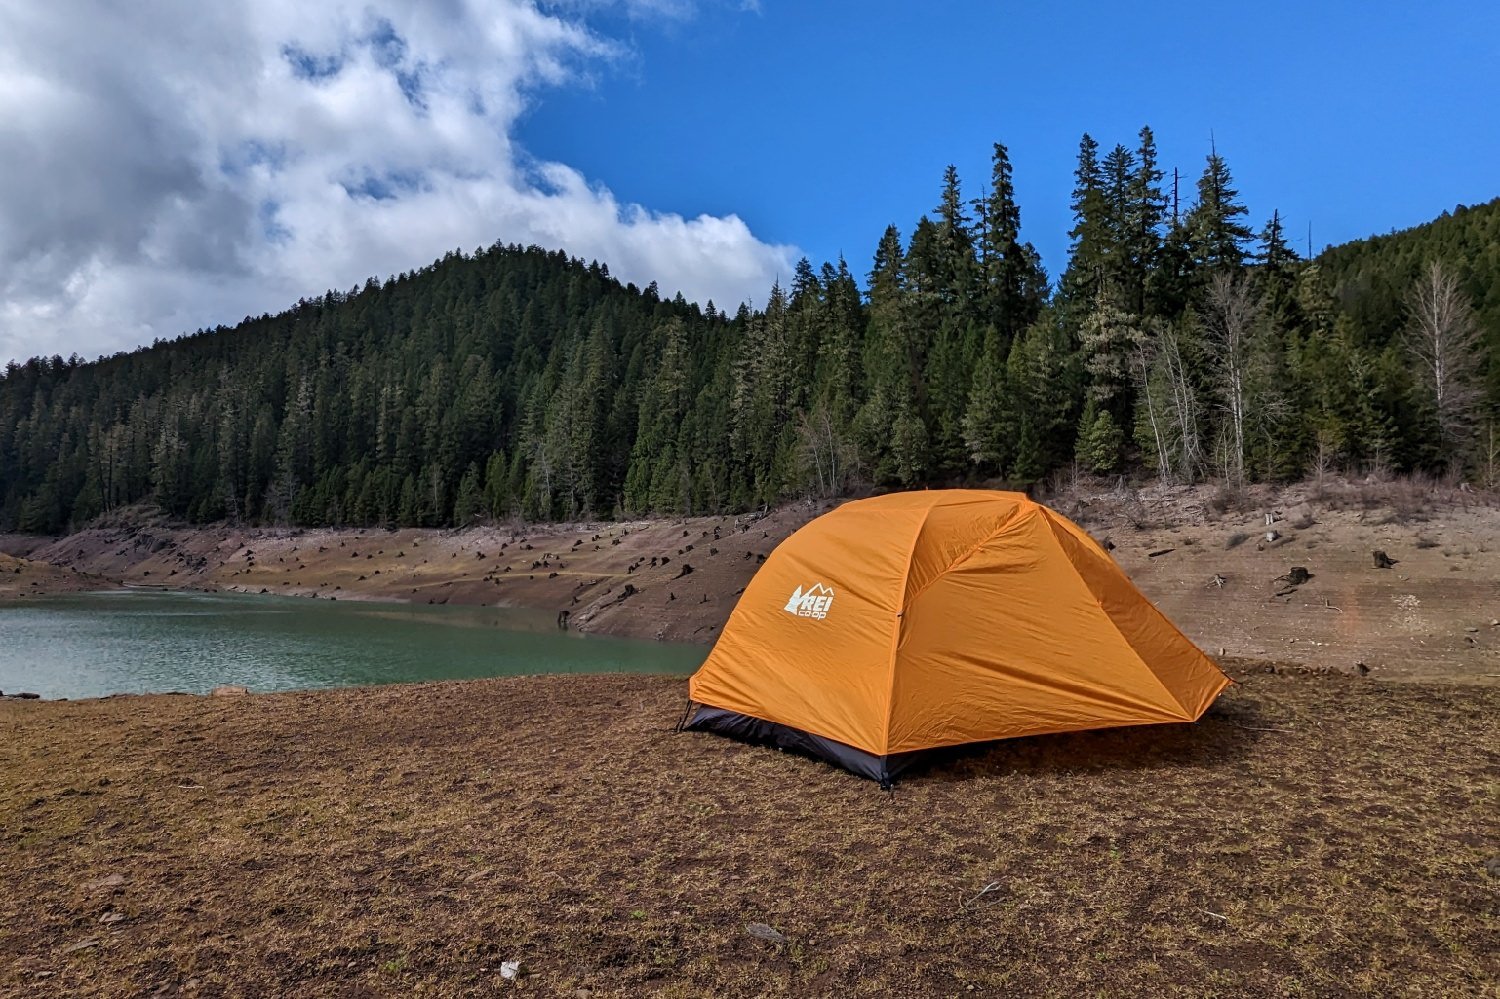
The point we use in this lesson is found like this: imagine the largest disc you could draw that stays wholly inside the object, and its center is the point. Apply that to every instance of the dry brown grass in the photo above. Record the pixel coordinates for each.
(394, 840)
(1403, 499)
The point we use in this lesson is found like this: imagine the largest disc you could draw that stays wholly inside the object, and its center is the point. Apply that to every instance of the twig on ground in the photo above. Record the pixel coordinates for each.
(1257, 728)
(1331, 607)
(992, 886)
(191, 787)
(1217, 916)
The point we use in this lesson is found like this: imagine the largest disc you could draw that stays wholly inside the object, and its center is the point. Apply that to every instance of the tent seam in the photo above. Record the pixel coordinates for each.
(1005, 525)
(896, 625)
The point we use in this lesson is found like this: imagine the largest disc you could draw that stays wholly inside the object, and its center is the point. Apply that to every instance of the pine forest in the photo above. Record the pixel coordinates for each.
(1184, 341)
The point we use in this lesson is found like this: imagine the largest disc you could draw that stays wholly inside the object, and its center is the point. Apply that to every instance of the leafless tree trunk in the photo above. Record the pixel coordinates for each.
(1160, 371)
(826, 455)
(1142, 359)
(1489, 456)
(1325, 455)
(1443, 339)
(1184, 403)
(1229, 319)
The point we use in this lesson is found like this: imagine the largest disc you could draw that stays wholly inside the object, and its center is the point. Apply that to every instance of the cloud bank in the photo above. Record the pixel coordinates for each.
(170, 167)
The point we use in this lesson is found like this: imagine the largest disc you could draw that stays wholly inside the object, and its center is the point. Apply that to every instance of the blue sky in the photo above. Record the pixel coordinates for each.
(821, 123)
(170, 168)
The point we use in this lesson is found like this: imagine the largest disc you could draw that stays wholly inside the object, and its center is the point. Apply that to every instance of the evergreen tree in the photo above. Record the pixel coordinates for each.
(890, 361)
(1013, 285)
(1215, 235)
(1145, 208)
(1089, 237)
(1099, 439)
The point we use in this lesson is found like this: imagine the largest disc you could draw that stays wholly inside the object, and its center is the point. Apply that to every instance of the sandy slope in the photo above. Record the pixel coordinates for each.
(22, 578)
(1429, 616)
(1433, 614)
(601, 573)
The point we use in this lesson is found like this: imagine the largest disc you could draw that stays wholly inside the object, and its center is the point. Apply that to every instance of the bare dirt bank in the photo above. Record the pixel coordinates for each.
(22, 579)
(668, 579)
(1206, 561)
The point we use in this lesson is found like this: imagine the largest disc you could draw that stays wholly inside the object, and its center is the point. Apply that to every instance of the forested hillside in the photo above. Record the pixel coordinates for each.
(1179, 342)
(1372, 278)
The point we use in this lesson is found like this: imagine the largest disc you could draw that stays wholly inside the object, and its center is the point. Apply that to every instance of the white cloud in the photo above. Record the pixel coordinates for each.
(173, 167)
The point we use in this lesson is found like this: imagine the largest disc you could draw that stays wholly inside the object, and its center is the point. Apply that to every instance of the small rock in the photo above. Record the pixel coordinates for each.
(510, 969)
(82, 945)
(26, 695)
(761, 931)
(110, 918)
(230, 690)
(107, 881)
(1471, 630)
(1492, 866)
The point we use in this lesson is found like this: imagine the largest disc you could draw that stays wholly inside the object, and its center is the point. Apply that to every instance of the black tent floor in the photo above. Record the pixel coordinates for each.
(882, 769)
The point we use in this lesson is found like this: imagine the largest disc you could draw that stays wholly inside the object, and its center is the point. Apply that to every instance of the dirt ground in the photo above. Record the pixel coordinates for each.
(1311, 836)
(21, 579)
(1434, 613)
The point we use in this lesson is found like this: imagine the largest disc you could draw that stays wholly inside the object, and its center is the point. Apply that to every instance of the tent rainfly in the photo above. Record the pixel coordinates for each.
(896, 625)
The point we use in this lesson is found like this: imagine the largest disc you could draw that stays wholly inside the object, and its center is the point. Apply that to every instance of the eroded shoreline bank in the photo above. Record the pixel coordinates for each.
(1219, 574)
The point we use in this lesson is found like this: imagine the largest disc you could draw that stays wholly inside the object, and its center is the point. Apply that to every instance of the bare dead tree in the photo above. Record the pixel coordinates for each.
(1324, 458)
(1142, 360)
(1185, 403)
(1443, 340)
(1489, 456)
(827, 455)
(1160, 368)
(1229, 317)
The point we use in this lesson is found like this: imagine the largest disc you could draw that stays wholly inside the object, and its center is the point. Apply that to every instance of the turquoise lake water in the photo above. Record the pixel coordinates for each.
(137, 641)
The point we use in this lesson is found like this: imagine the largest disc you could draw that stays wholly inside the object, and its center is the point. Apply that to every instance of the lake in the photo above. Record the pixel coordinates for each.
(140, 641)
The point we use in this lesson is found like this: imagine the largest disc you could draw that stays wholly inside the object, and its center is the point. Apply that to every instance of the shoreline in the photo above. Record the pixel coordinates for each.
(1216, 573)
(667, 579)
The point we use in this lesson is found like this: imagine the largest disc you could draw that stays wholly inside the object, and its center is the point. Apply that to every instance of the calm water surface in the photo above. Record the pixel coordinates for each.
(92, 644)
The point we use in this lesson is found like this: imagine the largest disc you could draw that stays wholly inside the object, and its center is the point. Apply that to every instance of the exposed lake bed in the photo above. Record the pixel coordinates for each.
(678, 579)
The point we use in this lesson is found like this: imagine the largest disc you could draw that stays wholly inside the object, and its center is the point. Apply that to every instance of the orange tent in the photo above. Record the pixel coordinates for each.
(918, 620)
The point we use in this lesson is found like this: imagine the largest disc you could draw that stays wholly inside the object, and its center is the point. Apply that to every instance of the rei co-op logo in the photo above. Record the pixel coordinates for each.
(815, 601)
